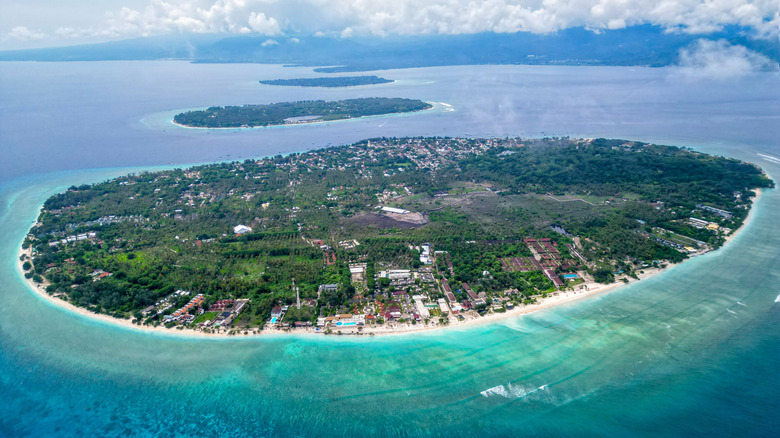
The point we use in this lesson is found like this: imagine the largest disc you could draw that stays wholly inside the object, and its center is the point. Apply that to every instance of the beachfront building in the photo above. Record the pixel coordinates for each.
(443, 306)
(421, 309)
(475, 299)
(394, 311)
(549, 273)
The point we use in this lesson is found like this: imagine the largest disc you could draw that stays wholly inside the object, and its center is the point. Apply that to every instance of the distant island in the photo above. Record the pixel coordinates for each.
(331, 82)
(284, 113)
(567, 46)
(383, 235)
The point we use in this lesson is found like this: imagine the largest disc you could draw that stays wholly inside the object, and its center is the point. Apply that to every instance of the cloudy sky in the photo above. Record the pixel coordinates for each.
(41, 23)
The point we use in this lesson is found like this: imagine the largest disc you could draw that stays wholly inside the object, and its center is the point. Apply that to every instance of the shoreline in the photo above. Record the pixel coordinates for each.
(759, 191)
(558, 298)
(552, 300)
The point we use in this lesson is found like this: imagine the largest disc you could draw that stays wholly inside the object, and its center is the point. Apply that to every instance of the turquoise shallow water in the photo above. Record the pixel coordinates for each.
(690, 352)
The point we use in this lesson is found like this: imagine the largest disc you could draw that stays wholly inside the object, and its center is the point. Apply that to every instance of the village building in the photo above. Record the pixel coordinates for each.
(395, 210)
(242, 229)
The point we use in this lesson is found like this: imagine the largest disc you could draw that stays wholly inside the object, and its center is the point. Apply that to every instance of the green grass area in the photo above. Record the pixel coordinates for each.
(249, 270)
(303, 314)
(632, 196)
(242, 321)
(584, 198)
(465, 188)
(208, 316)
(133, 258)
(674, 237)
(416, 197)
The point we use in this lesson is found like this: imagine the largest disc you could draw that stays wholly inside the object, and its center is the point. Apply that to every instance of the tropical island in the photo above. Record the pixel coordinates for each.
(329, 82)
(384, 234)
(284, 113)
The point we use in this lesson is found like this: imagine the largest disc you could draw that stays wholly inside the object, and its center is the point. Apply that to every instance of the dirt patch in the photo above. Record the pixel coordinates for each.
(410, 218)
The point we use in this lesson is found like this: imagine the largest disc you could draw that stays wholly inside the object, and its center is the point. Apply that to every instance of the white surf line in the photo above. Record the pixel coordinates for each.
(511, 391)
(769, 158)
(447, 107)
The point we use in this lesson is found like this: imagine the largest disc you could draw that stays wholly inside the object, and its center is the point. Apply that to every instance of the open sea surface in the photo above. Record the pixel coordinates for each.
(694, 351)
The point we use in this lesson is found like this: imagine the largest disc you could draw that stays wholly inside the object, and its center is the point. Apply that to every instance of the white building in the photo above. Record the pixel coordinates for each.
(395, 210)
(399, 274)
(421, 309)
(425, 255)
(241, 229)
(443, 306)
(357, 270)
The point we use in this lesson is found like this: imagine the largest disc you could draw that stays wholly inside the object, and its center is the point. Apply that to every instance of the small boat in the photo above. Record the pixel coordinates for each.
(777, 300)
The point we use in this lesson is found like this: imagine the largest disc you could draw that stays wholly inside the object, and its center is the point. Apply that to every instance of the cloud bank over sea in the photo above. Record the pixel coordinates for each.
(720, 60)
(381, 18)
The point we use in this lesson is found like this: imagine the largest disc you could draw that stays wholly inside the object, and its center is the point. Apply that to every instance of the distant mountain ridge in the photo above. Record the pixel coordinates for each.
(638, 45)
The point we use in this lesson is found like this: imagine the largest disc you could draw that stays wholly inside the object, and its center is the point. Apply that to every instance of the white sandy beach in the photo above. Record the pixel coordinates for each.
(583, 290)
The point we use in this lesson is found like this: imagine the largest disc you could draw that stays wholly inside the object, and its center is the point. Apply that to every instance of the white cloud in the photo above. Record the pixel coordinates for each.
(261, 24)
(542, 16)
(22, 33)
(616, 23)
(411, 17)
(220, 16)
(269, 43)
(719, 60)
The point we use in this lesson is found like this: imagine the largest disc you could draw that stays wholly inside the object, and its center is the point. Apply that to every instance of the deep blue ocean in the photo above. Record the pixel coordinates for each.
(694, 351)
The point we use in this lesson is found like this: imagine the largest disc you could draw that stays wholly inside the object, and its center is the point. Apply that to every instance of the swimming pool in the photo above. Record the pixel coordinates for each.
(339, 323)
(570, 276)
(273, 320)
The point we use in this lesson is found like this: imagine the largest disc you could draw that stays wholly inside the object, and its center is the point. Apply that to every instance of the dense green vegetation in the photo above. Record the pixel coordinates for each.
(609, 207)
(340, 81)
(611, 167)
(296, 112)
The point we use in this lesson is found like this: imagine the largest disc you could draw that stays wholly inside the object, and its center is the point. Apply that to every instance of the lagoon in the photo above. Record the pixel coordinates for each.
(691, 351)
